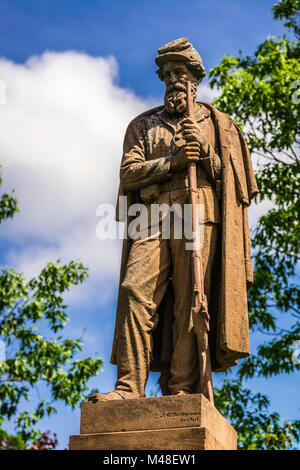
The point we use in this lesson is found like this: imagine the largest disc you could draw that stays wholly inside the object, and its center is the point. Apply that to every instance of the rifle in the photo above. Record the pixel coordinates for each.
(200, 315)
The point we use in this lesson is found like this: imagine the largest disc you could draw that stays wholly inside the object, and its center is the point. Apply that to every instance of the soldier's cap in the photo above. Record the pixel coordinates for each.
(181, 49)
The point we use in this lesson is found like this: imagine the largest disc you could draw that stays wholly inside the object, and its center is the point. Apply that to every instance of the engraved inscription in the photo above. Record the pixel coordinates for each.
(192, 416)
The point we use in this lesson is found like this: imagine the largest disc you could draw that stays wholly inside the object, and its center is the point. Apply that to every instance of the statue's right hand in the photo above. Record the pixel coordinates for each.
(188, 153)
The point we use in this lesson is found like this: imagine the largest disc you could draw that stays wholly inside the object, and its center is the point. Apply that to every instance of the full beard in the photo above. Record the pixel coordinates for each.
(176, 99)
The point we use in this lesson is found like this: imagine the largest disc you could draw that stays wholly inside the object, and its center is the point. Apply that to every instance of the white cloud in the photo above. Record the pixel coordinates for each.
(61, 133)
(207, 94)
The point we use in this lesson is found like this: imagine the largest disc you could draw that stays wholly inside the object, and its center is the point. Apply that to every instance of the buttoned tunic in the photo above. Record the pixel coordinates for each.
(151, 141)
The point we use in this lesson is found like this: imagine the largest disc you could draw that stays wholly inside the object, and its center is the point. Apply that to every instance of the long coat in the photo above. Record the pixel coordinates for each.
(233, 271)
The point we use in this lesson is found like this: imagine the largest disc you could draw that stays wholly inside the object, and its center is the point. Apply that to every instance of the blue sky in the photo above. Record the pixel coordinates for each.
(61, 137)
(132, 31)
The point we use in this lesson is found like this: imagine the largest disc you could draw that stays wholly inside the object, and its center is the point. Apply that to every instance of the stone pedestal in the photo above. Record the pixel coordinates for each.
(187, 422)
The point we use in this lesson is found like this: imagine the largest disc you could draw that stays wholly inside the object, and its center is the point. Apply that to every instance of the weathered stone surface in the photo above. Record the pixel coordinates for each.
(170, 422)
(159, 439)
(184, 152)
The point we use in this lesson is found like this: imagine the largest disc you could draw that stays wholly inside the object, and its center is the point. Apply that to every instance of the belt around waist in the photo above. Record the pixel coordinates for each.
(183, 184)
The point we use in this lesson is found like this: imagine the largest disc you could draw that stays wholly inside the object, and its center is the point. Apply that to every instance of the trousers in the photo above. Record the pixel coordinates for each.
(153, 262)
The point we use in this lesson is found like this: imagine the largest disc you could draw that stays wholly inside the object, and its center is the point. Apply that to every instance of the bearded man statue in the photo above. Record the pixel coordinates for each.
(153, 323)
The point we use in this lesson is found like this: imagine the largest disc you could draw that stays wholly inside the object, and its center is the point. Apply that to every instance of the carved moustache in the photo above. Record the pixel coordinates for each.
(175, 98)
(176, 86)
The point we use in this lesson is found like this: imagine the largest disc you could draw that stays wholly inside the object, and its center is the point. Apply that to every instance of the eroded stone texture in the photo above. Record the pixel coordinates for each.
(185, 422)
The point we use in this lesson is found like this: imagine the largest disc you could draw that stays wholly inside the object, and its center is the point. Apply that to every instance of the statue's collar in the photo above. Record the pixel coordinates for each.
(201, 113)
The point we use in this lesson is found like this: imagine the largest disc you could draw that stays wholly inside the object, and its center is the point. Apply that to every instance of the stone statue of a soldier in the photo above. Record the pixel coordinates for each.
(153, 323)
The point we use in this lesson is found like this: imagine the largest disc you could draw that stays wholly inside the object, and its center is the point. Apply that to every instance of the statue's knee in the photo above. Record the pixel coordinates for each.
(136, 297)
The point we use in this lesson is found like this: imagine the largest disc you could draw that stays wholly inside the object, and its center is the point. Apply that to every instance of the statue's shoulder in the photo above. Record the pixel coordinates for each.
(149, 114)
(224, 120)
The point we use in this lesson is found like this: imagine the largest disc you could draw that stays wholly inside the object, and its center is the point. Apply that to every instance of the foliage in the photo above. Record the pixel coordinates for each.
(8, 205)
(289, 11)
(44, 442)
(11, 442)
(261, 93)
(27, 308)
(257, 428)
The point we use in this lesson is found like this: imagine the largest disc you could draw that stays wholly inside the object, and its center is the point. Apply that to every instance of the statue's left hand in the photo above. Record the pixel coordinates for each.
(191, 132)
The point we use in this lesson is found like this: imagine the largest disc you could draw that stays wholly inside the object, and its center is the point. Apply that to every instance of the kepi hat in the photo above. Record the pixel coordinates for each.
(182, 50)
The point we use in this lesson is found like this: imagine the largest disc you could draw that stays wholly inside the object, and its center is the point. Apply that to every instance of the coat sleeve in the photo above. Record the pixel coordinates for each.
(212, 164)
(136, 172)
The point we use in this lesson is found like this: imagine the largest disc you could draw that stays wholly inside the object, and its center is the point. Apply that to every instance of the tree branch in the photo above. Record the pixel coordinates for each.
(281, 330)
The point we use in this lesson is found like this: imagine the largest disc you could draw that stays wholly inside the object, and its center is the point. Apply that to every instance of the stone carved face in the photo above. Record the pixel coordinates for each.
(175, 75)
